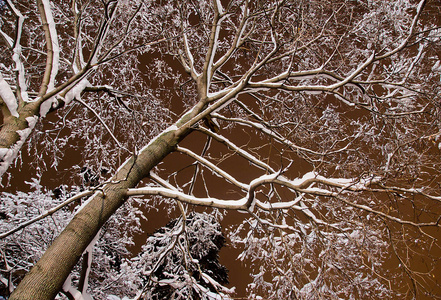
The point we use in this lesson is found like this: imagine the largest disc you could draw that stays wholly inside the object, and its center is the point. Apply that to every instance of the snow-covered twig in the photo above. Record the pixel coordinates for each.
(245, 154)
(213, 167)
(381, 214)
(102, 122)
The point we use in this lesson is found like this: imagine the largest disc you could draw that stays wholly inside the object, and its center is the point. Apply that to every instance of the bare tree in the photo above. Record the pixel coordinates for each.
(319, 119)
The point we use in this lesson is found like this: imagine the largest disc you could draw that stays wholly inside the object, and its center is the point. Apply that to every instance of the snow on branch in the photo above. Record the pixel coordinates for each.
(239, 38)
(189, 68)
(214, 43)
(303, 185)
(174, 194)
(414, 191)
(279, 82)
(52, 47)
(7, 155)
(102, 122)
(213, 167)
(245, 154)
(103, 31)
(405, 42)
(7, 96)
(17, 52)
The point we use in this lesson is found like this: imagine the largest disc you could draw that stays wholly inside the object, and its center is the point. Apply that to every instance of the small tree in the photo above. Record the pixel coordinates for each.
(180, 261)
(320, 121)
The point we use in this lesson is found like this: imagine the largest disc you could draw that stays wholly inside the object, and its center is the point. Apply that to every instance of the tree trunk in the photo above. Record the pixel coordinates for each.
(46, 278)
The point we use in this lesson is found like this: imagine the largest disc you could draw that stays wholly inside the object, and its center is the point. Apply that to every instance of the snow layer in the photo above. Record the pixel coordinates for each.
(8, 96)
(54, 41)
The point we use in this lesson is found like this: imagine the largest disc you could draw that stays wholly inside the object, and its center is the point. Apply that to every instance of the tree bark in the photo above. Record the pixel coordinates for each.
(11, 124)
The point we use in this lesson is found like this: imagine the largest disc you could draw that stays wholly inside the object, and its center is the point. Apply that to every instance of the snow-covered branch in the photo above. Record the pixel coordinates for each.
(392, 218)
(405, 42)
(53, 49)
(17, 53)
(7, 97)
(213, 167)
(236, 149)
(303, 185)
(173, 194)
(102, 122)
(189, 67)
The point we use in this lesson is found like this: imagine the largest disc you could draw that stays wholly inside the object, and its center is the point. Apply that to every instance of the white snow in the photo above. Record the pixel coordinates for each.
(214, 202)
(46, 106)
(168, 129)
(89, 251)
(21, 77)
(74, 93)
(281, 205)
(10, 153)
(210, 73)
(3, 152)
(214, 168)
(189, 55)
(87, 201)
(67, 287)
(17, 52)
(8, 97)
(8, 39)
(220, 9)
(54, 41)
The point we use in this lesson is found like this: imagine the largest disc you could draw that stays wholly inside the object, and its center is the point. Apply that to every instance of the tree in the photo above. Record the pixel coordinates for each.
(320, 121)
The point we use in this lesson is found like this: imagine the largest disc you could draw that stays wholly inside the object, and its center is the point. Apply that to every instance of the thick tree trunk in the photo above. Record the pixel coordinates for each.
(46, 278)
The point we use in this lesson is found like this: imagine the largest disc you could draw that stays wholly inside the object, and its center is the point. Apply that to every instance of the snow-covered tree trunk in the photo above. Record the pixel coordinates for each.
(47, 277)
